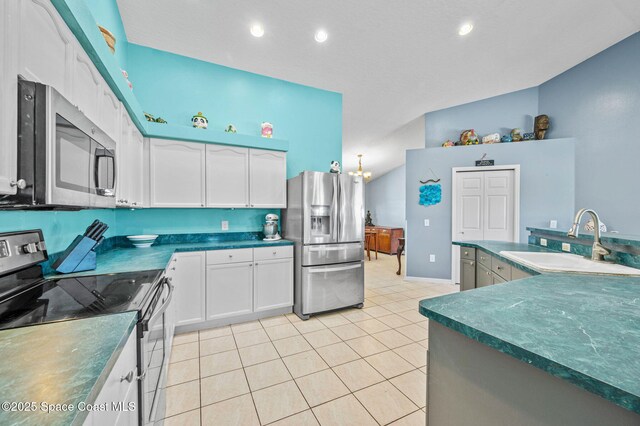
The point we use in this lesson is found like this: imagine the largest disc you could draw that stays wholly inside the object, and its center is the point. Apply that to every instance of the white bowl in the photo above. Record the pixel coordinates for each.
(142, 241)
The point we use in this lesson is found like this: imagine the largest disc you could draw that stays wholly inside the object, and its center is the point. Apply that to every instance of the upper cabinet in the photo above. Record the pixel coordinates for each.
(8, 97)
(129, 188)
(227, 176)
(176, 174)
(268, 178)
(87, 86)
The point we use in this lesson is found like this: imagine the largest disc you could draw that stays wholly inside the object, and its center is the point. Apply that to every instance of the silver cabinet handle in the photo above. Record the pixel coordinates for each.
(129, 377)
(466, 253)
(500, 268)
(275, 252)
(472, 263)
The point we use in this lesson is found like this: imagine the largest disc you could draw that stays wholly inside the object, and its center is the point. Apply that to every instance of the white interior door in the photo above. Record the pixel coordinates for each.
(499, 205)
(470, 206)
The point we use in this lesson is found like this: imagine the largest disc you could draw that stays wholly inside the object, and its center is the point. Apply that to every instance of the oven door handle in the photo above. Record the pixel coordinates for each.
(159, 311)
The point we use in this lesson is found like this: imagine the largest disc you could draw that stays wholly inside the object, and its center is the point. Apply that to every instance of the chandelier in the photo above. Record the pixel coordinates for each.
(359, 172)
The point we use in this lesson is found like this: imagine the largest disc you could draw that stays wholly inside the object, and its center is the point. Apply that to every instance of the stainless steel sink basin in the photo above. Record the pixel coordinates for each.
(567, 262)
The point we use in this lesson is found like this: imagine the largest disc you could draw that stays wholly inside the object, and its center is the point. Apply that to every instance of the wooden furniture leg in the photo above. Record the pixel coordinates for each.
(367, 243)
(376, 247)
(400, 251)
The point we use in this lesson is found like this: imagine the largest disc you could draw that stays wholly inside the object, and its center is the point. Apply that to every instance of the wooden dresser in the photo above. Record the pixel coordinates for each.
(388, 238)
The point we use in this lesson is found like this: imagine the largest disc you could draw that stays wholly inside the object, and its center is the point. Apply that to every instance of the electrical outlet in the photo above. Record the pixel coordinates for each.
(543, 242)
(224, 225)
(553, 224)
(566, 247)
(432, 258)
(426, 222)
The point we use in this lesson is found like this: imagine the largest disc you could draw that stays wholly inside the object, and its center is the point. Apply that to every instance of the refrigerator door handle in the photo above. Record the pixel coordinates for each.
(335, 231)
(338, 269)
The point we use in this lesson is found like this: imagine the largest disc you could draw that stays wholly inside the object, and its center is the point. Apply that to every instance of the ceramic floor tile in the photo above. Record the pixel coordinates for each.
(279, 401)
(293, 318)
(282, 331)
(215, 332)
(392, 339)
(412, 315)
(397, 307)
(321, 338)
(417, 418)
(179, 339)
(304, 363)
(358, 374)
(251, 338)
(219, 363)
(183, 397)
(246, 326)
(321, 387)
(333, 320)
(413, 385)
(345, 411)
(384, 290)
(190, 418)
(356, 315)
(267, 374)
(273, 321)
(372, 326)
(413, 332)
(291, 345)
(396, 297)
(184, 352)
(394, 321)
(348, 331)
(385, 402)
(338, 353)
(414, 353)
(306, 418)
(257, 354)
(366, 346)
(389, 364)
(232, 412)
(223, 386)
(216, 345)
(380, 300)
(183, 371)
(309, 326)
(424, 343)
(376, 311)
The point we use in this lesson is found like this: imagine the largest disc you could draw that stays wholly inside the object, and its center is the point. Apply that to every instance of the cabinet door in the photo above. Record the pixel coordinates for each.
(484, 276)
(87, 86)
(273, 284)
(176, 174)
(187, 272)
(467, 274)
(227, 176)
(268, 178)
(124, 162)
(109, 120)
(8, 96)
(136, 186)
(497, 279)
(229, 290)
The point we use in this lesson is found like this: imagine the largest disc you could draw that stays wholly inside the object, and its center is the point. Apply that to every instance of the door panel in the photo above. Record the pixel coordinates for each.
(229, 290)
(227, 176)
(332, 286)
(268, 179)
(469, 206)
(188, 273)
(351, 209)
(499, 205)
(320, 212)
(273, 284)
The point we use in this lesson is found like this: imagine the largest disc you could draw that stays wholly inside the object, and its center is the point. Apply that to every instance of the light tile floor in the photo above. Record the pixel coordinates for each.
(351, 367)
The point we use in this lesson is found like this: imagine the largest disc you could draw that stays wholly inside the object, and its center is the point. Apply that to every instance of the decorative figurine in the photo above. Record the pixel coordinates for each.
(126, 77)
(540, 126)
(528, 136)
(516, 135)
(506, 138)
(267, 130)
(448, 143)
(231, 129)
(492, 138)
(109, 38)
(152, 119)
(200, 121)
(469, 137)
(335, 167)
(368, 221)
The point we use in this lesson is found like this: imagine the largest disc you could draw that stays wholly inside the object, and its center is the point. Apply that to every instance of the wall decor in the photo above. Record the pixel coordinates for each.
(430, 194)
(334, 167)
(506, 138)
(449, 143)
(492, 138)
(516, 135)
(109, 38)
(230, 129)
(469, 137)
(482, 162)
(199, 121)
(267, 130)
(126, 77)
(529, 136)
(434, 179)
(153, 119)
(540, 126)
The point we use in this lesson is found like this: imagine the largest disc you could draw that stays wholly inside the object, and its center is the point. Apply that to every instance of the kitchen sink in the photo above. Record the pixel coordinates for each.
(567, 262)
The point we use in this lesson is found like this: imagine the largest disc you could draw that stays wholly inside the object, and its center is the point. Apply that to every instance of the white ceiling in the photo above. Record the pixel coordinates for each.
(392, 60)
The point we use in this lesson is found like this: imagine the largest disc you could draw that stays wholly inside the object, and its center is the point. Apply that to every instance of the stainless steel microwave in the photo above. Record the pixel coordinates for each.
(64, 160)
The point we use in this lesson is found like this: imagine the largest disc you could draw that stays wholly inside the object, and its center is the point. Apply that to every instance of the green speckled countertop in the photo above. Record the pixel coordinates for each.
(580, 328)
(64, 362)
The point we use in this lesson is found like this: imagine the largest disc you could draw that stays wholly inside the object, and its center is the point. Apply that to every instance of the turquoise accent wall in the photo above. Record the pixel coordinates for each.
(107, 15)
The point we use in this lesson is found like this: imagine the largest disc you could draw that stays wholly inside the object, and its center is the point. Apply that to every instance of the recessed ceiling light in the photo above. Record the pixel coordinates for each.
(321, 36)
(465, 29)
(257, 30)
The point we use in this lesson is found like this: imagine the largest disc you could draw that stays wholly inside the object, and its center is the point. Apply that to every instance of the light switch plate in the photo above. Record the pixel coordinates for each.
(426, 222)
(224, 225)
(432, 258)
(553, 224)
(566, 247)
(543, 242)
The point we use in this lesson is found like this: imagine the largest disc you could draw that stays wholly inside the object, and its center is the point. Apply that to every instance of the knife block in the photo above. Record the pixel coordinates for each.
(79, 256)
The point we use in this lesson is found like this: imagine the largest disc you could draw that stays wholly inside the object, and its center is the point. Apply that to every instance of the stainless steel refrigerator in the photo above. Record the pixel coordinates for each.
(325, 219)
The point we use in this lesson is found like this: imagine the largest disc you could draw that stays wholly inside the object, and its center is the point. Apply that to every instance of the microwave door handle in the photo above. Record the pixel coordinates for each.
(104, 153)
(161, 309)
(338, 269)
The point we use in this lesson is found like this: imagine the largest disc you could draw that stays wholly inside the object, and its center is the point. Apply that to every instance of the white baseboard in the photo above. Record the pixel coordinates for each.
(430, 280)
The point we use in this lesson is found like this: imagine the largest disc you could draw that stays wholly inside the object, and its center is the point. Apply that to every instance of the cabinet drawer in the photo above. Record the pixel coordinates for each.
(484, 277)
(484, 259)
(468, 253)
(215, 257)
(267, 253)
(501, 268)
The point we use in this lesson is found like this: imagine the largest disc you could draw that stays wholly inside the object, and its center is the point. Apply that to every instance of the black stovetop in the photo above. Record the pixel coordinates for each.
(47, 300)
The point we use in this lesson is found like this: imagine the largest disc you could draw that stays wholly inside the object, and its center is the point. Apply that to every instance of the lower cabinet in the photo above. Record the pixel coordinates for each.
(229, 290)
(187, 272)
(484, 277)
(480, 269)
(467, 274)
(273, 284)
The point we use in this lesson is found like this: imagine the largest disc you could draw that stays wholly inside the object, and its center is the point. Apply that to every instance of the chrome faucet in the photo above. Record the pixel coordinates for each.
(598, 251)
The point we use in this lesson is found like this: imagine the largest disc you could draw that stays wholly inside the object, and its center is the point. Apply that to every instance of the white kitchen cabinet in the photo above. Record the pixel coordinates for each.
(136, 185)
(109, 120)
(227, 176)
(273, 284)
(125, 162)
(268, 178)
(176, 174)
(229, 290)
(8, 96)
(87, 86)
(187, 272)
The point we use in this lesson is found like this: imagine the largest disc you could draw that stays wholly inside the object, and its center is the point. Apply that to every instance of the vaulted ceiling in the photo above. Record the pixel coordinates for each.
(392, 60)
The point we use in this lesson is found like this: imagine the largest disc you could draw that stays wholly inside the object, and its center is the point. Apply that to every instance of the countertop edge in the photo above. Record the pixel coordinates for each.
(603, 389)
(513, 263)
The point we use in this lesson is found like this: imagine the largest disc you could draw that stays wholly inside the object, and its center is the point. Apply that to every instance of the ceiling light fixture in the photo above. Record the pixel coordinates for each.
(257, 30)
(366, 175)
(465, 29)
(321, 36)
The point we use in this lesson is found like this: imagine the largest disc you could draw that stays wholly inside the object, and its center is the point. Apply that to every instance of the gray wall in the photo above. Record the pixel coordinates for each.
(385, 198)
(498, 114)
(598, 103)
(547, 172)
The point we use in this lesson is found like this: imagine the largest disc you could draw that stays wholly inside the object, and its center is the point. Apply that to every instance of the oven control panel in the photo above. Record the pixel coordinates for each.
(21, 249)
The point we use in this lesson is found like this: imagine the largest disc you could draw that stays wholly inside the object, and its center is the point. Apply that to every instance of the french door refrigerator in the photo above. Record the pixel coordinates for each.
(325, 219)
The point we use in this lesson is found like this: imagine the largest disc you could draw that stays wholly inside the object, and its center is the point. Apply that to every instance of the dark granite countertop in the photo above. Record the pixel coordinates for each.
(64, 362)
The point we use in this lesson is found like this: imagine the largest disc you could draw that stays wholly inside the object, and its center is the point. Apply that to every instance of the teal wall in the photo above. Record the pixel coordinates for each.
(107, 15)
